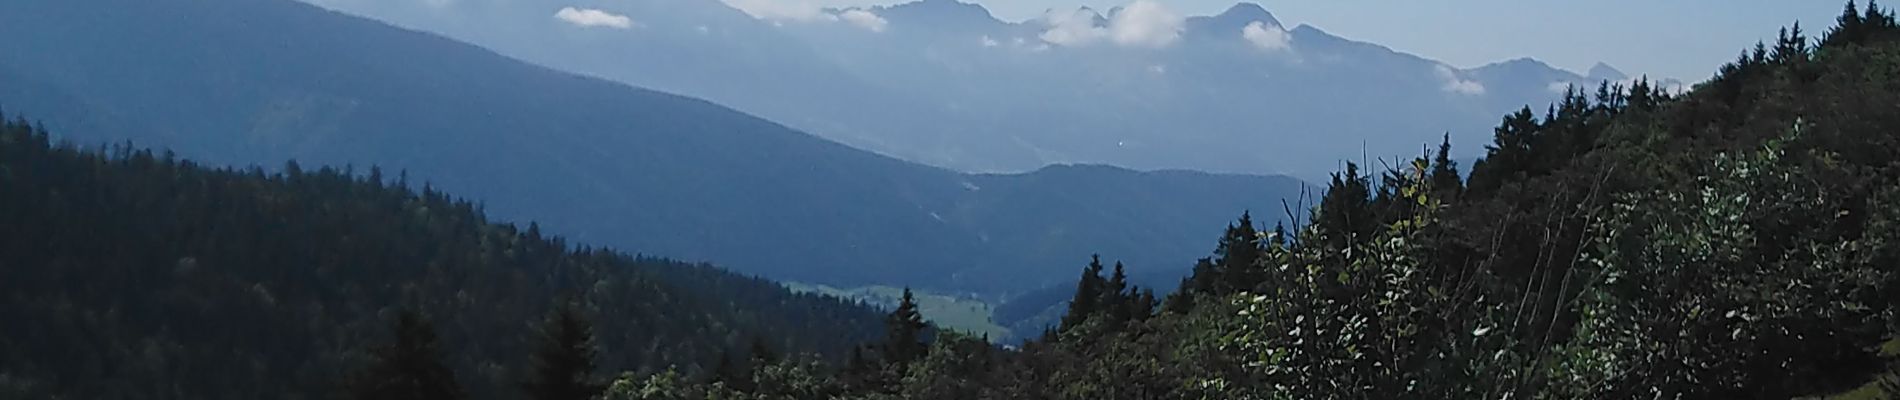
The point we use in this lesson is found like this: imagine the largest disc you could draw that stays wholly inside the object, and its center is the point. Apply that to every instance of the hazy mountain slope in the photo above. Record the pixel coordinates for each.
(698, 48)
(946, 83)
(258, 82)
(1067, 201)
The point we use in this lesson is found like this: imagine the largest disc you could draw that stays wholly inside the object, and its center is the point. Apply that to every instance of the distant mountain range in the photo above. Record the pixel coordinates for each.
(259, 82)
(946, 83)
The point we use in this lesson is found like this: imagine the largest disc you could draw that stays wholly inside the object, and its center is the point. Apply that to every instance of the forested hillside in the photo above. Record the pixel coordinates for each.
(126, 273)
(1737, 241)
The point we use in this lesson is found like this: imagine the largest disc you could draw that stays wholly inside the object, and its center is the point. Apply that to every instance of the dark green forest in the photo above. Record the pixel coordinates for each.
(1735, 241)
(133, 274)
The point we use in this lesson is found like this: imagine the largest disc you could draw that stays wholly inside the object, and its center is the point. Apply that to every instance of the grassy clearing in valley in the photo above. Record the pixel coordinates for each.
(963, 314)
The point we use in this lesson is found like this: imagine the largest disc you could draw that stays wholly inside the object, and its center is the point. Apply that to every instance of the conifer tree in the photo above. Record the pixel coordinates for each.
(1236, 256)
(410, 367)
(1609, 97)
(904, 332)
(1345, 212)
(1444, 175)
(1509, 153)
(1115, 298)
(1790, 46)
(1205, 273)
(1117, 282)
(1088, 295)
(564, 358)
(1848, 28)
(1641, 95)
(1876, 20)
(1144, 305)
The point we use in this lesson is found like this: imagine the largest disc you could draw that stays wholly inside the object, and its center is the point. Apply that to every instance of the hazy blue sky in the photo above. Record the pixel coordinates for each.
(1674, 38)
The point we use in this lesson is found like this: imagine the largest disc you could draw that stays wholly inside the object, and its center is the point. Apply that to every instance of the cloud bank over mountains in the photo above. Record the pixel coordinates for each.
(946, 83)
(788, 10)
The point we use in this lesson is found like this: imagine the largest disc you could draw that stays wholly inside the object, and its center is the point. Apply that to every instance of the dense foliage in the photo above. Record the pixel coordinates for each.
(1735, 241)
(130, 274)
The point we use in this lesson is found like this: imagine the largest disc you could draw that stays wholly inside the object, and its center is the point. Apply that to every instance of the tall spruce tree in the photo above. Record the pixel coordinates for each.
(1204, 276)
(1144, 304)
(903, 340)
(1088, 295)
(1117, 301)
(1509, 154)
(1848, 28)
(410, 367)
(1345, 214)
(1444, 176)
(1279, 239)
(1791, 46)
(564, 358)
(1236, 256)
(1877, 19)
(1642, 96)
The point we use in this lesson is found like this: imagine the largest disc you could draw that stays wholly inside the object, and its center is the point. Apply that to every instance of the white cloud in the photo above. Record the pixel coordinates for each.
(990, 42)
(1558, 87)
(1146, 23)
(587, 17)
(1469, 88)
(1143, 23)
(864, 19)
(1458, 84)
(1158, 69)
(1076, 28)
(1267, 37)
(781, 10)
(1676, 87)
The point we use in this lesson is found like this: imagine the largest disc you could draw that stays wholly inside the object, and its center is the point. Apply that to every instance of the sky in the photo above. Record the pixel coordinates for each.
(1682, 39)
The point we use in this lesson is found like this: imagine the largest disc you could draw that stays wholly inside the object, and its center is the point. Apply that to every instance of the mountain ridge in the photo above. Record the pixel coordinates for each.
(596, 161)
(947, 83)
